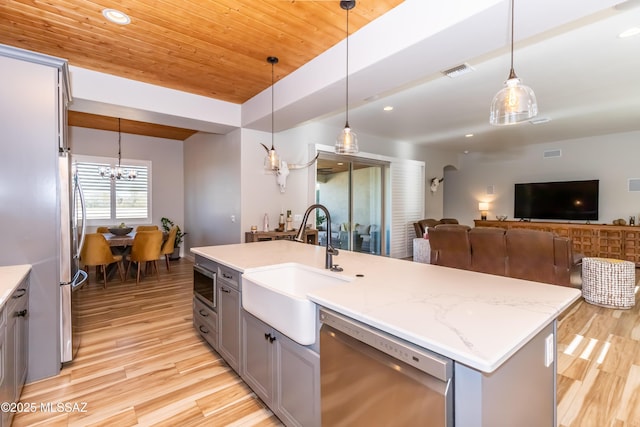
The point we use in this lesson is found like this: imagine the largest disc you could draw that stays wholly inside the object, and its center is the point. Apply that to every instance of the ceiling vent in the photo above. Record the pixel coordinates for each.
(551, 153)
(458, 70)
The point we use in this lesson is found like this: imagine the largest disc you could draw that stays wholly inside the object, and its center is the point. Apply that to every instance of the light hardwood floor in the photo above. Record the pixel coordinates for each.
(141, 363)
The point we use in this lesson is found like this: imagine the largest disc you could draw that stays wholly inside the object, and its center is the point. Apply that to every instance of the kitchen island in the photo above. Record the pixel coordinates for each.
(481, 322)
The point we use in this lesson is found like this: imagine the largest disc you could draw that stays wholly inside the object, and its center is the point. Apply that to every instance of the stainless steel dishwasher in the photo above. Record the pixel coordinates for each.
(370, 378)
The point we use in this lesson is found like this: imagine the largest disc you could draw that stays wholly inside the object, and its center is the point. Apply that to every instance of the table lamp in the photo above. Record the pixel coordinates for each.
(483, 207)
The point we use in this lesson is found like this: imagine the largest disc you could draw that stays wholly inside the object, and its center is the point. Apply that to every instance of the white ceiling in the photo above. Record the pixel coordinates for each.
(586, 80)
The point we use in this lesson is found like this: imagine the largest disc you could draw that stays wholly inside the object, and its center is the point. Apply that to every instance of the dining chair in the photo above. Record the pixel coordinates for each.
(168, 245)
(146, 228)
(102, 229)
(97, 252)
(145, 249)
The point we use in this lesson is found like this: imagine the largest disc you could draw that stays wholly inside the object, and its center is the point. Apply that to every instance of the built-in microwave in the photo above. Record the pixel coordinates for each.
(204, 285)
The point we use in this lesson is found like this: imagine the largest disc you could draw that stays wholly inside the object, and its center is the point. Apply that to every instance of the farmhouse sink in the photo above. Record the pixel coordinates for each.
(277, 295)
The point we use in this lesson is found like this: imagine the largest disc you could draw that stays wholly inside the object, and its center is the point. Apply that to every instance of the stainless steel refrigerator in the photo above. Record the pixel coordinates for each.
(72, 232)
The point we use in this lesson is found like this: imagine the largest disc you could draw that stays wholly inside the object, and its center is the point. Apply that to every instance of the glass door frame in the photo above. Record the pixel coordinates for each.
(361, 159)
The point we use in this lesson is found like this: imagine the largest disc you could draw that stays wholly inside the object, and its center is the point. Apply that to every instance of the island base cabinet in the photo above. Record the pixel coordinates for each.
(229, 323)
(283, 373)
(522, 388)
(205, 321)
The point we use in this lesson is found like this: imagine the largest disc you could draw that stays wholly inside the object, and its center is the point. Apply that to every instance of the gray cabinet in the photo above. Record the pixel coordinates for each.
(283, 373)
(14, 335)
(229, 316)
(205, 320)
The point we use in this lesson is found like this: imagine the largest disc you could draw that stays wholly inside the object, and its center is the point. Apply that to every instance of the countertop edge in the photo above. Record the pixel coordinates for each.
(10, 277)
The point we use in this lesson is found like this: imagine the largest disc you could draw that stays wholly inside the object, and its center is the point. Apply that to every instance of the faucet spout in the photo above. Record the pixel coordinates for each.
(330, 250)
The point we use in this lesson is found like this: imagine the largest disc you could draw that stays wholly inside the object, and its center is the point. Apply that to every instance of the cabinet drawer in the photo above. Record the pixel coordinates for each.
(229, 276)
(205, 321)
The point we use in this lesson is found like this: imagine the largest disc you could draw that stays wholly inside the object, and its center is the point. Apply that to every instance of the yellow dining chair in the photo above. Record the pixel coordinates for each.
(145, 248)
(102, 230)
(167, 246)
(97, 252)
(146, 228)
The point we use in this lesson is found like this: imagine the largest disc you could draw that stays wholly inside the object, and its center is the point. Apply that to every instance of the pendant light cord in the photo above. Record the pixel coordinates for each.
(512, 73)
(347, 73)
(272, 104)
(119, 143)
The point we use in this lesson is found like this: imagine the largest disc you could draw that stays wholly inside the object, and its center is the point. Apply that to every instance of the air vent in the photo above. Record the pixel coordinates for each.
(539, 120)
(551, 153)
(458, 70)
(634, 184)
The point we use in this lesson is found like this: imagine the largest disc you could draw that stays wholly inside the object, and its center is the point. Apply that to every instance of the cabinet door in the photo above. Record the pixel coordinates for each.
(21, 315)
(229, 324)
(298, 398)
(257, 357)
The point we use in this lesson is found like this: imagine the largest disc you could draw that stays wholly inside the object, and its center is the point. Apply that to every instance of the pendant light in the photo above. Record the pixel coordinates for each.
(515, 102)
(347, 141)
(117, 172)
(271, 161)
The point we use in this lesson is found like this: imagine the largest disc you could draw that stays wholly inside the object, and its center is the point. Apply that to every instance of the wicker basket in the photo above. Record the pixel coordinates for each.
(608, 282)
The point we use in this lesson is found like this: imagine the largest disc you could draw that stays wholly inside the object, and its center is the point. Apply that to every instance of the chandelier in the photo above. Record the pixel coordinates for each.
(117, 172)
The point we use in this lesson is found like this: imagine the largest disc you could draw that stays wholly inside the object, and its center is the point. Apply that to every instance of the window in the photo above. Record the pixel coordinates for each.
(114, 201)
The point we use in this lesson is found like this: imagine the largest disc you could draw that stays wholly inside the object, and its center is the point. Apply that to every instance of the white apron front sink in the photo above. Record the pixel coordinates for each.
(277, 295)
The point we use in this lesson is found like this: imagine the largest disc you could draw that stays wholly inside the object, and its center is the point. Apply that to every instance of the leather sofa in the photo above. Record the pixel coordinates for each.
(535, 255)
(421, 226)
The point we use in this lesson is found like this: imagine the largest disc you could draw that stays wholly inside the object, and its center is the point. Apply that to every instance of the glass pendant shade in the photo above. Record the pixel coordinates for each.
(347, 141)
(515, 103)
(272, 161)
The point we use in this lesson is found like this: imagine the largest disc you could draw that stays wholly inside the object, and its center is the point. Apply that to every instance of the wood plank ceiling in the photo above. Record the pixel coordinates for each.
(214, 48)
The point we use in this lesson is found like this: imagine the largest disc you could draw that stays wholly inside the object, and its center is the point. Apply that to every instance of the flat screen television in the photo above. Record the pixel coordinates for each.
(566, 200)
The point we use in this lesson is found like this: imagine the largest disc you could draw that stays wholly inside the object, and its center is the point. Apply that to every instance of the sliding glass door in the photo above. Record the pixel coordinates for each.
(353, 189)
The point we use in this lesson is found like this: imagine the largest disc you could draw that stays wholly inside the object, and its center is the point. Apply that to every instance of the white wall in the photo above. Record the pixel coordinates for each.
(167, 197)
(212, 189)
(613, 159)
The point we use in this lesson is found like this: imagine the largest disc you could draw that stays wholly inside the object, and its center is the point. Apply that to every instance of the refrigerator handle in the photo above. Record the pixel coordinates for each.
(84, 214)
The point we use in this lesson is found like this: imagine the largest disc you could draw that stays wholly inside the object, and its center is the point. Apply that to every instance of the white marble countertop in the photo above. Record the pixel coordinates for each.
(479, 320)
(10, 278)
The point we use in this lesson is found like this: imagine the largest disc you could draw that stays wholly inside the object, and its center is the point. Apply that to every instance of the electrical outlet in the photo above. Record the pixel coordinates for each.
(549, 350)
(233, 218)
(297, 217)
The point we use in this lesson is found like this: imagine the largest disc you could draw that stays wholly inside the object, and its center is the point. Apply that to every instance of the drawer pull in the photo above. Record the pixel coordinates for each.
(227, 276)
(203, 329)
(203, 313)
(225, 290)
(16, 295)
(21, 313)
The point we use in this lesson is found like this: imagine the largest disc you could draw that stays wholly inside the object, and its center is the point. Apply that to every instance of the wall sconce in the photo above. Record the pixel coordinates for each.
(483, 207)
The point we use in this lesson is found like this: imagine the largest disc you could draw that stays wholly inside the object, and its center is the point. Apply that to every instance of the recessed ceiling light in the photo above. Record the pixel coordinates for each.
(633, 31)
(340, 163)
(116, 16)
(388, 108)
(469, 135)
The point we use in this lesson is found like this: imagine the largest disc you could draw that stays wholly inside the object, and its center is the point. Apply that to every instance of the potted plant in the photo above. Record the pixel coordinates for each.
(166, 227)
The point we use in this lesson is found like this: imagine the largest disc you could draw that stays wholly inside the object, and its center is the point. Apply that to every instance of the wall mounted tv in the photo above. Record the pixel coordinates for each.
(566, 200)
